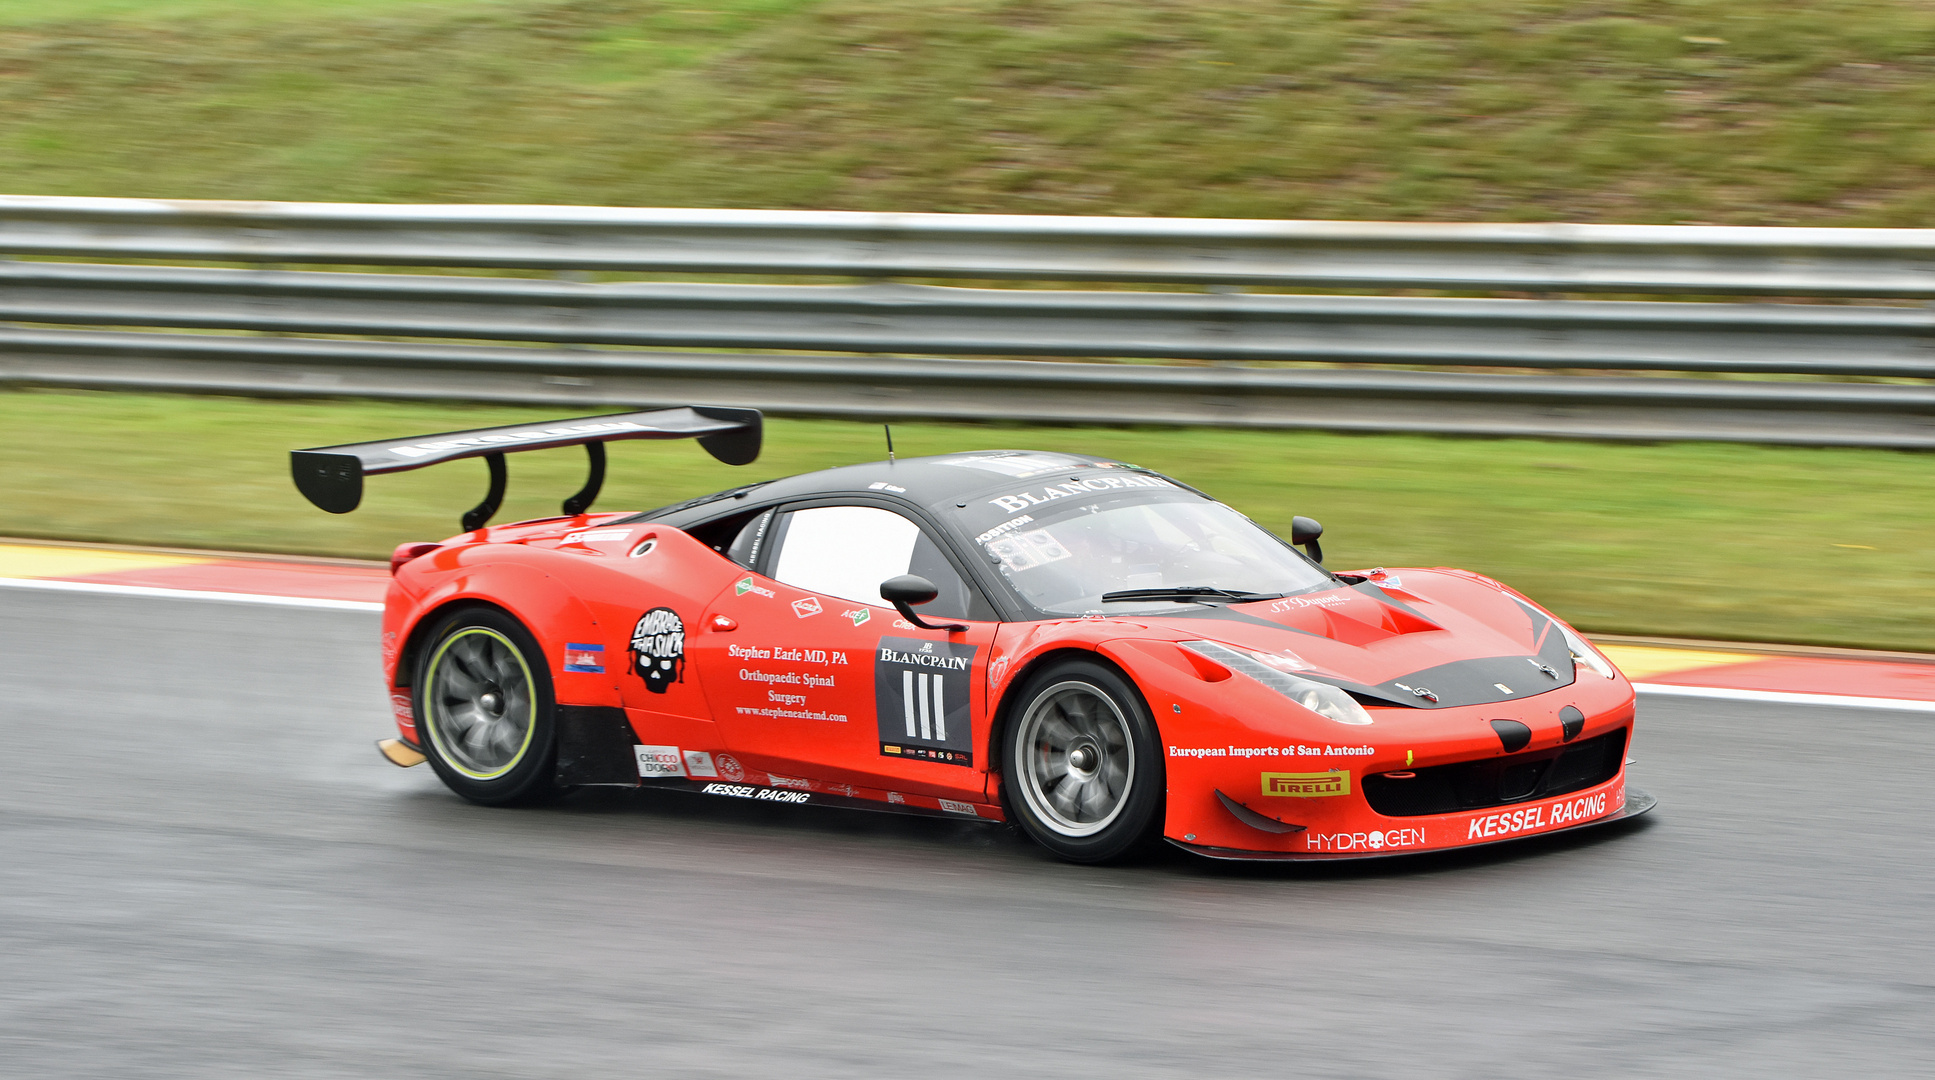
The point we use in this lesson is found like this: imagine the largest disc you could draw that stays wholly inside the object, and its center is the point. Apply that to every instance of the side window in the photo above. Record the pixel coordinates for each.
(954, 599)
(847, 551)
(725, 535)
(745, 547)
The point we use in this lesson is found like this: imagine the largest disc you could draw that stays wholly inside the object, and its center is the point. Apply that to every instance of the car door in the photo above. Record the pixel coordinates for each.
(812, 676)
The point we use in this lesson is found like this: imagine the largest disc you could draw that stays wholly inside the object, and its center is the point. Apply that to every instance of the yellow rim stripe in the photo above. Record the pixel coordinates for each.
(430, 679)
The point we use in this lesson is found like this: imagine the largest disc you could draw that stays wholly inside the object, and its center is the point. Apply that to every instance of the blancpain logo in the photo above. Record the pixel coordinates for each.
(923, 659)
(504, 437)
(1026, 499)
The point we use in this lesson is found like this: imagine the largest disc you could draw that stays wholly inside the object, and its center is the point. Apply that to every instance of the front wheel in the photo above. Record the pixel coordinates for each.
(1082, 763)
(484, 702)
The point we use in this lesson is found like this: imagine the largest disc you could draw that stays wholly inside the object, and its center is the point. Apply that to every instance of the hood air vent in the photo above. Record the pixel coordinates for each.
(1512, 734)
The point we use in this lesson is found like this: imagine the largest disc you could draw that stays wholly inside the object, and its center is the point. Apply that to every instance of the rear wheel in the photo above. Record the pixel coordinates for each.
(484, 702)
(1082, 765)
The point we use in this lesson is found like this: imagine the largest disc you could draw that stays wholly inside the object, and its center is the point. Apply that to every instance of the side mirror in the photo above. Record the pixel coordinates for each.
(1304, 533)
(909, 589)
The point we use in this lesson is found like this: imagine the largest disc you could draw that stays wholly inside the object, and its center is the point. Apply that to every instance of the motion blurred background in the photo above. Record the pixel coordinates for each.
(1723, 112)
(205, 871)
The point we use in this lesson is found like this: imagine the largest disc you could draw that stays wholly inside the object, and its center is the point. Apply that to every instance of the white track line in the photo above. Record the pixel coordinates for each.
(47, 585)
(1775, 698)
(1766, 696)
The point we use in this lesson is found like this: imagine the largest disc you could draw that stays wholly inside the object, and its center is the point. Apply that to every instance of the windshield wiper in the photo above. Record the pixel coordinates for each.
(1202, 594)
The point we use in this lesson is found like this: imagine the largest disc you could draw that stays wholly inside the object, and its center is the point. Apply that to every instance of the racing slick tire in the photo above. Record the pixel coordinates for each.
(1082, 763)
(485, 709)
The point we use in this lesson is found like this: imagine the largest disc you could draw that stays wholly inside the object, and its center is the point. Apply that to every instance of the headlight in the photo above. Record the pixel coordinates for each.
(1583, 653)
(1320, 698)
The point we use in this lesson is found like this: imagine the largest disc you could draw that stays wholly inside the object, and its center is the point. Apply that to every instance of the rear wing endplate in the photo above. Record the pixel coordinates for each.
(332, 476)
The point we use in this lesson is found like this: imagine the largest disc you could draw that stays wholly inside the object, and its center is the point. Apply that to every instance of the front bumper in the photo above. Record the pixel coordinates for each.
(1602, 805)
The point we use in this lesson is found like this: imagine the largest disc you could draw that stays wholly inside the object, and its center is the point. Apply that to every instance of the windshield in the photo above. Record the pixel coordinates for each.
(1067, 560)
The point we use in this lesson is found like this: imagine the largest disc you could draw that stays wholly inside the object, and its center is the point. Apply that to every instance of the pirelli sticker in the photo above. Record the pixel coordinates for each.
(1306, 785)
(921, 690)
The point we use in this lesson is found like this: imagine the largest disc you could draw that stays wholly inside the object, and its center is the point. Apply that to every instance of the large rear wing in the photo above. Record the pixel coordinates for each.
(332, 476)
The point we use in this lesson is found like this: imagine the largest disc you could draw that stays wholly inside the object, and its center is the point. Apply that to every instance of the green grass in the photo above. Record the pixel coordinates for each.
(42, 12)
(1585, 110)
(1699, 540)
(1594, 110)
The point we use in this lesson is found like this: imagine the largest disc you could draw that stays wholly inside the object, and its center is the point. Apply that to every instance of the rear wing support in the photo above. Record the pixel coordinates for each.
(579, 503)
(478, 516)
(332, 476)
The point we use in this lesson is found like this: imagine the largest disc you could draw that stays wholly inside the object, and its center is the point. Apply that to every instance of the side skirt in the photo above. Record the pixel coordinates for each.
(597, 748)
(844, 796)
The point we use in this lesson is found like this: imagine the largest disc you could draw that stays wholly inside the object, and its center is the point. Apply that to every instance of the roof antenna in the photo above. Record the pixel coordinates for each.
(889, 429)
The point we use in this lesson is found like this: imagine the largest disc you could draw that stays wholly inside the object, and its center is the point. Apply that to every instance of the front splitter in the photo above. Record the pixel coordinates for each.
(1637, 803)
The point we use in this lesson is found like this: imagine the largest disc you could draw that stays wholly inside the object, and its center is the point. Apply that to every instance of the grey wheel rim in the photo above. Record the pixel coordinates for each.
(1077, 759)
(482, 712)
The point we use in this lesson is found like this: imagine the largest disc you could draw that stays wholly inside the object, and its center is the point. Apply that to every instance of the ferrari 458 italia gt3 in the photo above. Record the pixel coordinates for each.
(1102, 654)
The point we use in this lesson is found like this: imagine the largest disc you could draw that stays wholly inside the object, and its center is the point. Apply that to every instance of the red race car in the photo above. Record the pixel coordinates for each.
(1097, 652)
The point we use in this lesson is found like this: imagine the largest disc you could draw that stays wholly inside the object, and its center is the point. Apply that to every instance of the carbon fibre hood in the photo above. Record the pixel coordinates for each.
(1422, 638)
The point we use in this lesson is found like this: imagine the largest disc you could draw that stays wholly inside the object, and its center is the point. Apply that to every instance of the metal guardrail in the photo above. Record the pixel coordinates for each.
(1451, 403)
(1789, 348)
(889, 318)
(1664, 259)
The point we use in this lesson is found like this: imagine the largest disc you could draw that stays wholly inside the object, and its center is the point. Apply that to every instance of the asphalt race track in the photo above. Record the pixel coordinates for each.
(207, 871)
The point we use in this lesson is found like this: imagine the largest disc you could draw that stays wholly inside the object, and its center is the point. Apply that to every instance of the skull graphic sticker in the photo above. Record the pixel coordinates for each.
(658, 649)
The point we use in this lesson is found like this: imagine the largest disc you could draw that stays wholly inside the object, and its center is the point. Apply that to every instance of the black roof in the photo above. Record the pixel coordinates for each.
(936, 481)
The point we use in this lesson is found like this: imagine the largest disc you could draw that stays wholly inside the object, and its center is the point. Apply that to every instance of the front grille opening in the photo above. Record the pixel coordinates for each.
(1520, 781)
(1476, 785)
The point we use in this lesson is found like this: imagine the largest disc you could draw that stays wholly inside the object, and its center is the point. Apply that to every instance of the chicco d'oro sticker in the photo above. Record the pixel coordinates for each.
(659, 763)
(658, 649)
